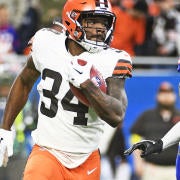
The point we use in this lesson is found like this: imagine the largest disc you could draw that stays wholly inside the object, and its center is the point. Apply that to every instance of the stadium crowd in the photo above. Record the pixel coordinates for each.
(155, 25)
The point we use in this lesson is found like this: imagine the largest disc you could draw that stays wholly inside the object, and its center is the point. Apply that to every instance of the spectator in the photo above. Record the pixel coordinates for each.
(166, 28)
(126, 3)
(130, 26)
(8, 37)
(148, 48)
(30, 24)
(153, 124)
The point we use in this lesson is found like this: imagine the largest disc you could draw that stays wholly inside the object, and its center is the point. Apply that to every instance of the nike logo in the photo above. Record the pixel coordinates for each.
(91, 171)
(77, 71)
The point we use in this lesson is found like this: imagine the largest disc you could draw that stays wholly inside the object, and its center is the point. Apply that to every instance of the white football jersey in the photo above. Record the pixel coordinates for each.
(64, 123)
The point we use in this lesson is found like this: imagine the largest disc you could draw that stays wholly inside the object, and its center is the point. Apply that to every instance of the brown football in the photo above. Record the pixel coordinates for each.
(96, 77)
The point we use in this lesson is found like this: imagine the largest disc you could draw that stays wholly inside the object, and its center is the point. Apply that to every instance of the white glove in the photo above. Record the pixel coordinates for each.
(79, 72)
(6, 146)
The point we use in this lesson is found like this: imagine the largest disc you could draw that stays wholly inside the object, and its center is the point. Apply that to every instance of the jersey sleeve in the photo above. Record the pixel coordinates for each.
(36, 50)
(112, 63)
(123, 67)
(27, 50)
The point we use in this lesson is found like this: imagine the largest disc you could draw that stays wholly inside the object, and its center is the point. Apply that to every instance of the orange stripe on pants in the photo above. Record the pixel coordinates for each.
(42, 165)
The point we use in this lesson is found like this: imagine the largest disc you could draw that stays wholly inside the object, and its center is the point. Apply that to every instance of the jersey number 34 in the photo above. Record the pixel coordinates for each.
(51, 112)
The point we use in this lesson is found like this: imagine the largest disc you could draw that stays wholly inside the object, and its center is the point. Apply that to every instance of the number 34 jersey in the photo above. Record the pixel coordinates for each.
(64, 124)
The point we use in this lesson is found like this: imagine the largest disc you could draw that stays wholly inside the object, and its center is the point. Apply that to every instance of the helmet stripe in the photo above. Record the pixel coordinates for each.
(102, 3)
(106, 3)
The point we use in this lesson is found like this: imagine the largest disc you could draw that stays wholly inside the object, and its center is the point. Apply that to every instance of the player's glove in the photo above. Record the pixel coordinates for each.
(147, 146)
(6, 146)
(79, 72)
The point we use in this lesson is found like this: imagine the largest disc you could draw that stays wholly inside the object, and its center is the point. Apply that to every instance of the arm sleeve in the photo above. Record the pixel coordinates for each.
(123, 65)
(172, 136)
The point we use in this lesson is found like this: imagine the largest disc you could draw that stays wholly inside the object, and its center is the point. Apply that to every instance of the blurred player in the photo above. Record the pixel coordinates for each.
(68, 132)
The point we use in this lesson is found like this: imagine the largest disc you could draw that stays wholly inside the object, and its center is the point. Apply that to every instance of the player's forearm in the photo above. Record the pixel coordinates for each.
(19, 93)
(16, 100)
(172, 136)
(110, 109)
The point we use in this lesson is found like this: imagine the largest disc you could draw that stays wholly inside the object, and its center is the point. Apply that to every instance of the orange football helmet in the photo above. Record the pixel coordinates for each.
(73, 13)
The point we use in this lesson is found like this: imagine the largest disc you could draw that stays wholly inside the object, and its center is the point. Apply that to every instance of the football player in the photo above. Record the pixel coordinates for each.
(68, 132)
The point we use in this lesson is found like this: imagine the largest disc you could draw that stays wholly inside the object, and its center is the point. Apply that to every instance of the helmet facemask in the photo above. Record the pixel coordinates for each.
(82, 33)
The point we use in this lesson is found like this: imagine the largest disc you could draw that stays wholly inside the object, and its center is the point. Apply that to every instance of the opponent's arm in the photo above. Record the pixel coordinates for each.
(19, 93)
(149, 146)
(110, 107)
(172, 136)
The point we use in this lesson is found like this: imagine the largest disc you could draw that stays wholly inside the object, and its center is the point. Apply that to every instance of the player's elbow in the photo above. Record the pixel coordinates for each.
(112, 119)
(117, 120)
(114, 113)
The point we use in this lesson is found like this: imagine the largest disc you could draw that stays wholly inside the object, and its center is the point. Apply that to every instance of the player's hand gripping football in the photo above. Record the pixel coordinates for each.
(79, 72)
(6, 146)
(147, 146)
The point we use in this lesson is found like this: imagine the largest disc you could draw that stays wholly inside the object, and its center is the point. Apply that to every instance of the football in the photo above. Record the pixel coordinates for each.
(97, 78)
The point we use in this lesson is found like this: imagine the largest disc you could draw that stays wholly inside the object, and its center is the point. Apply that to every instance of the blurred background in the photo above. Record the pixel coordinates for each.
(149, 30)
